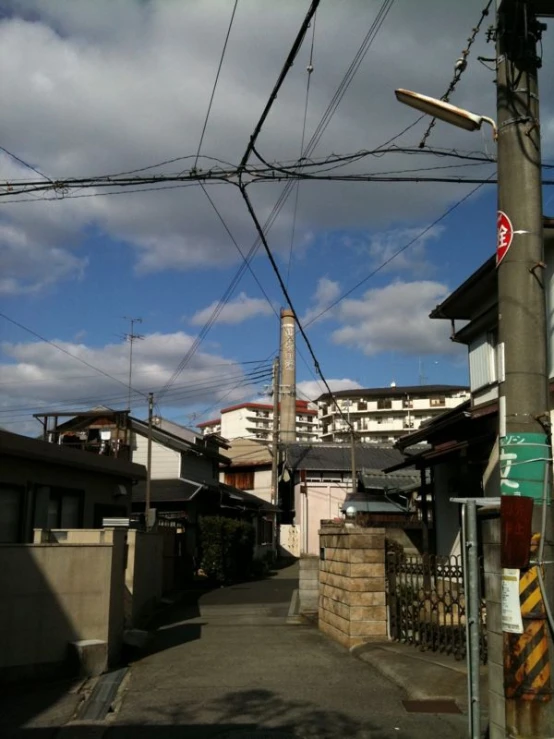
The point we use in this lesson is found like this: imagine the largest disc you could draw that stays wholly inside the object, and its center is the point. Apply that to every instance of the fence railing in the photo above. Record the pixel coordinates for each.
(427, 606)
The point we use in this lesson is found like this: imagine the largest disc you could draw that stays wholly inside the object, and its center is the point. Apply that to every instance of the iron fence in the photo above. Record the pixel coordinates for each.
(427, 606)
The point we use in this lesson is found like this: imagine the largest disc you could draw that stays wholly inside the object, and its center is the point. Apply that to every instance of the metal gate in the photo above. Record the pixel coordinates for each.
(427, 605)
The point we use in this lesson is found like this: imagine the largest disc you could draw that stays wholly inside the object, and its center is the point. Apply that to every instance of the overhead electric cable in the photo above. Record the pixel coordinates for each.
(222, 57)
(287, 297)
(459, 69)
(289, 61)
(24, 163)
(309, 70)
(61, 349)
(406, 246)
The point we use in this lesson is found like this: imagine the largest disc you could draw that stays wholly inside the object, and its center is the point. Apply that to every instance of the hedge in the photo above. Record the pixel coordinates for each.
(227, 548)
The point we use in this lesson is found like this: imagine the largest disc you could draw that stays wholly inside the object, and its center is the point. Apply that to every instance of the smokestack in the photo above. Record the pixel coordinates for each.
(287, 420)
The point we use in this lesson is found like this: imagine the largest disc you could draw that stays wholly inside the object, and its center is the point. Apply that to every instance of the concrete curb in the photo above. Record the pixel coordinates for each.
(293, 617)
(421, 678)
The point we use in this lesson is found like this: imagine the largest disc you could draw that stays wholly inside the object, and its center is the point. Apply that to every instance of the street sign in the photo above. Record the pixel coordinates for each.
(505, 234)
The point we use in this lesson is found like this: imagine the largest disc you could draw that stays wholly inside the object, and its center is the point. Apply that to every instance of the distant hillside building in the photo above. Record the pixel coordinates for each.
(255, 421)
(384, 414)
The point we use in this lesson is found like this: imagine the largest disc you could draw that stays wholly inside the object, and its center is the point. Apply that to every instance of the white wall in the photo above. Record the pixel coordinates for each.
(321, 501)
(166, 463)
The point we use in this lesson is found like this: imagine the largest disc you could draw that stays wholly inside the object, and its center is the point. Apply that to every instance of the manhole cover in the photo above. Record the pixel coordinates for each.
(431, 706)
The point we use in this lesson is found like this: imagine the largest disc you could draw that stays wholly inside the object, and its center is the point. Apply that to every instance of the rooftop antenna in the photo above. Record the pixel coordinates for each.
(131, 337)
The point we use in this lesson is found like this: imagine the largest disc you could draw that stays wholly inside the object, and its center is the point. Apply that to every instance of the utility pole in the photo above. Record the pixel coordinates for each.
(275, 449)
(149, 461)
(523, 377)
(132, 337)
(353, 461)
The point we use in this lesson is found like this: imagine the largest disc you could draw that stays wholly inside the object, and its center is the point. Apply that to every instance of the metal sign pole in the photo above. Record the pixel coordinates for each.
(469, 652)
(473, 602)
(472, 591)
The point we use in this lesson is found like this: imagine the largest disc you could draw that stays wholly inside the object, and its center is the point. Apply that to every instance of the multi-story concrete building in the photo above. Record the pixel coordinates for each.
(384, 414)
(255, 421)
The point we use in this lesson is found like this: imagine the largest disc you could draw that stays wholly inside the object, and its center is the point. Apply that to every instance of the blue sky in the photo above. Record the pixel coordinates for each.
(108, 87)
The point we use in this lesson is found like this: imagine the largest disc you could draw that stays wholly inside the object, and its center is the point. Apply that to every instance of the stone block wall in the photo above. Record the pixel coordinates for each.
(352, 599)
(308, 584)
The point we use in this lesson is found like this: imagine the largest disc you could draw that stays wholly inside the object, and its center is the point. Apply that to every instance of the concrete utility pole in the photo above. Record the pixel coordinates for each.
(148, 495)
(523, 379)
(275, 448)
(287, 421)
(353, 462)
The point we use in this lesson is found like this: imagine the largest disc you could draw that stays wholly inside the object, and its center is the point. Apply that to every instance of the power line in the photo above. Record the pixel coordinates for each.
(386, 262)
(351, 72)
(459, 69)
(24, 163)
(309, 70)
(193, 177)
(179, 393)
(230, 364)
(223, 300)
(281, 78)
(222, 57)
(61, 349)
(234, 241)
(289, 301)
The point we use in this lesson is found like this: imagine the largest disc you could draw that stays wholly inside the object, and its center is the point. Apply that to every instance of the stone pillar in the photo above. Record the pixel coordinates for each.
(308, 584)
(352, 602)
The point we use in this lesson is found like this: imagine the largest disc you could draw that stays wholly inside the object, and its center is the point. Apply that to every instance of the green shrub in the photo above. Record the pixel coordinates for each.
(227, 548)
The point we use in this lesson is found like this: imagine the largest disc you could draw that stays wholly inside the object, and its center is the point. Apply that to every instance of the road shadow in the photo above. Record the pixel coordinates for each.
(238, 714)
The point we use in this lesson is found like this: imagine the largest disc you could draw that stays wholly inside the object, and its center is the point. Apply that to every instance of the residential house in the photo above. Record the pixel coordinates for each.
(255, 421)
(319, 479)
(382, 415)
(461, 441)
(47, 486)
(184, 473)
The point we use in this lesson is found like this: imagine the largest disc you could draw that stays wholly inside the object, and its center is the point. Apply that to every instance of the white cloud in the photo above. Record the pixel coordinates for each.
(327, 291)
(396, 318)
(234, 312)
(37, 376)
(29, 266)
(384, 245)
(92, 88)
(312, 389)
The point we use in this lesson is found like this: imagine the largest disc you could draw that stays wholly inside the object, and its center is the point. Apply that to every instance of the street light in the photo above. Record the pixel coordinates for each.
(444, 111)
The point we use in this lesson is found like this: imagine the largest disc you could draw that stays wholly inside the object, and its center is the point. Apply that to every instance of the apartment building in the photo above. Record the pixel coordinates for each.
(384, 414)
(255, 421)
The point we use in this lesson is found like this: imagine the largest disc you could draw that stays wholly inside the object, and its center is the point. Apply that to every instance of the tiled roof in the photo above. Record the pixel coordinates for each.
(320, 456)
(397, 391)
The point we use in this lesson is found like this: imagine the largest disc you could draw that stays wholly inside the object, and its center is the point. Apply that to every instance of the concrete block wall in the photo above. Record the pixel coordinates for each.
(54, 595)
(308, 584)
(352, 599)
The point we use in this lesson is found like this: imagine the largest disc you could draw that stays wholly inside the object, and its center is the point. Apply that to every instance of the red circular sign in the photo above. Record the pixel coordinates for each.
(505, 234)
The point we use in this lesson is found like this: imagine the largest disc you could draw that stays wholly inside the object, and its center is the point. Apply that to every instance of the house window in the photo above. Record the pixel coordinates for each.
(265, 531)
(438, 401)
(58, 508)
(362, 405)
(240, 480)
(11, 505)
(384, 403)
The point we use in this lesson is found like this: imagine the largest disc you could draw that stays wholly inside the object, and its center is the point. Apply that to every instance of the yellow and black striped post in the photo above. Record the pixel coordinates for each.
(527, 663)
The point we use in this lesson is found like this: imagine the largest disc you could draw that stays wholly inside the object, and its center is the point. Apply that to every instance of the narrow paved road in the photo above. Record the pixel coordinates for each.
(230, 666)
